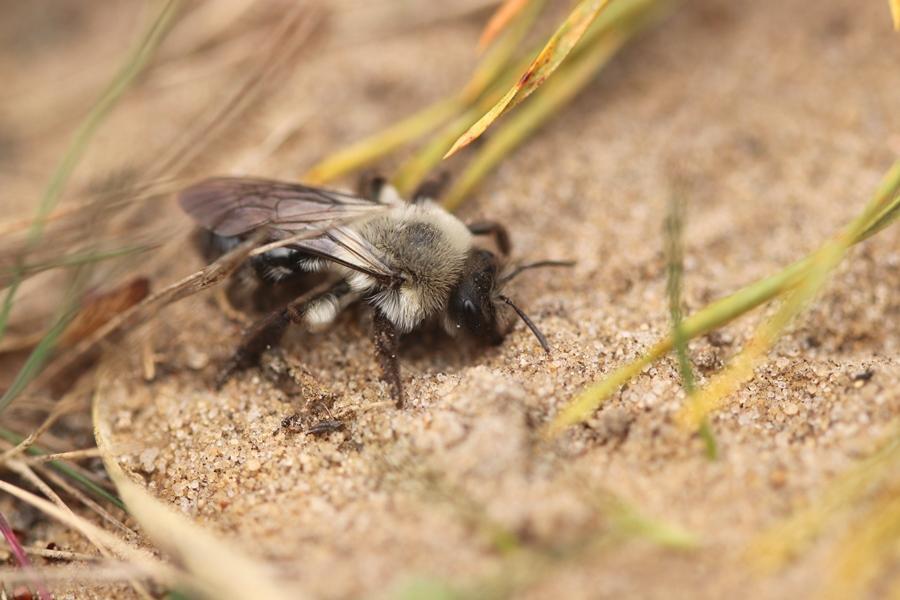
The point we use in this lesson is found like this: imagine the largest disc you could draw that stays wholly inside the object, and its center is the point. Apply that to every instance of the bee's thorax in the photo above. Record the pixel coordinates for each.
(428, 246)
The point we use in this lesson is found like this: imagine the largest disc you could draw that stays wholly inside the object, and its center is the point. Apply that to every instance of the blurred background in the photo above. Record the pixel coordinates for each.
(681, 152)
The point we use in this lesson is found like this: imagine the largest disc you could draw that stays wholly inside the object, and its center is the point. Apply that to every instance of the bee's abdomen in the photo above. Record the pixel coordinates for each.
(274, 266)
(211, 246)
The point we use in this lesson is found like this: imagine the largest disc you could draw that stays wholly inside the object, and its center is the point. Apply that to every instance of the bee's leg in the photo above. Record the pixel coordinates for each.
(387, 346)
(377, 189)
(495, 229)
(431, 188)
(261, 336)
(370, 184)
(223, 303)
(268, 332)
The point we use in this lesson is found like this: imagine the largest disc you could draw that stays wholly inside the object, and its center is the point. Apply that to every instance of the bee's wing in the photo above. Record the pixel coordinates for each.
(231, 206)
(345, 246)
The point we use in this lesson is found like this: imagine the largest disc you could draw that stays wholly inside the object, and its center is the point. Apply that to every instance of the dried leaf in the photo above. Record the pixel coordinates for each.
(209, 276)
(546, 62)
(97, 309)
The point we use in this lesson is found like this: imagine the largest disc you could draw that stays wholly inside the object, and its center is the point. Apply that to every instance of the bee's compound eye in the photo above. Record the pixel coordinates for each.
(469, 307)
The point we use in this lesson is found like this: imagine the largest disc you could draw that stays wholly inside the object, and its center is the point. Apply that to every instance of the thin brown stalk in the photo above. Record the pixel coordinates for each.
(69, 455)
(57, 554)
(104, 514)
(296, 29)
(107, 571)
(62, 408)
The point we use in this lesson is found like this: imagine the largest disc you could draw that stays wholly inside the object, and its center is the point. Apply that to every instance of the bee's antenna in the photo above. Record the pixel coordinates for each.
(537, 332)
(535, 265)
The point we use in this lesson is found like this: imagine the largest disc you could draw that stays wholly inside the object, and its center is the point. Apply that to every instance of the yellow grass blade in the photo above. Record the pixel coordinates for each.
(496, 62)
(224, 570)
(778, 545)
(412, 172)
(603, 41)
(724, 383)
(823, 262)
(499, 20)
(895, 13)
(585, 403)
(869, 548)
(370, 149)
(883, 210)
(546, 62)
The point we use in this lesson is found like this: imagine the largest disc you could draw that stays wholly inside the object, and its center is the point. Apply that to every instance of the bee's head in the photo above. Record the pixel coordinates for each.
(474, 302)
(472, 307)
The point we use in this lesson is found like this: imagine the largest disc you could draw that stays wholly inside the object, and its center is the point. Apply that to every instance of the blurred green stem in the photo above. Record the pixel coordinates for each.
(134, 64)
(675, 252)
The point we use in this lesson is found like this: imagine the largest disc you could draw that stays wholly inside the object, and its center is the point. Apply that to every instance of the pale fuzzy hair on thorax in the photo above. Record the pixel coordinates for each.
(429, 247)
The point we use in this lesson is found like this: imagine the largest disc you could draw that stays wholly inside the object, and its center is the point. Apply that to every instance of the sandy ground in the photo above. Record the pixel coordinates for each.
(783, 115)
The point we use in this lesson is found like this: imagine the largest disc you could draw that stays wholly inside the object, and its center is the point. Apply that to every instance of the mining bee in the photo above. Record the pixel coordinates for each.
(412, 262)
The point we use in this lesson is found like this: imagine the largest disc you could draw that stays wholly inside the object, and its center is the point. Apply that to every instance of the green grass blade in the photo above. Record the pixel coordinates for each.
(76, 259)
(741, 368)
(69, 306)
(37, 358)
(626, 520)
(883, 221)
(675, 268)
(822, 264)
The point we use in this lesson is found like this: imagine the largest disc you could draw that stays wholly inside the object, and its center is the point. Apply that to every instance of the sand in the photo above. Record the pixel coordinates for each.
(783, 117)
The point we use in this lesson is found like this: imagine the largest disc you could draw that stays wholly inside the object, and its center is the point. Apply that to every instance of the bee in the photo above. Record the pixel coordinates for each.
(411, 262)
